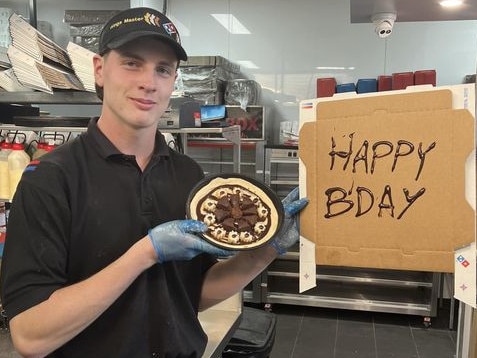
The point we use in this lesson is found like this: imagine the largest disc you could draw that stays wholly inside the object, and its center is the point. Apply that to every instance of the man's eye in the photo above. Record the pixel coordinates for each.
(131, 63)
(164, 71)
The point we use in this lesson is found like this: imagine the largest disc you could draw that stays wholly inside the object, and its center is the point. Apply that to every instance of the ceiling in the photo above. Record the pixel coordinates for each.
(411, 10)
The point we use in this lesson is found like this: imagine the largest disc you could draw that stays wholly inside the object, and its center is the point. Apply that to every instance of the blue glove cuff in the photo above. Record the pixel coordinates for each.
(160, 256)
(279, 249)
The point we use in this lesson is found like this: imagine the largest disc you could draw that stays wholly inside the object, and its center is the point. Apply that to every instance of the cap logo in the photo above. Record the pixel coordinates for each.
(172, 31)
(152, 19)
(148, 18)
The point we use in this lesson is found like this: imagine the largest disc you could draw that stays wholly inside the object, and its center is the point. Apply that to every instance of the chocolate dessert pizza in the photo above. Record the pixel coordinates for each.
(241, 213)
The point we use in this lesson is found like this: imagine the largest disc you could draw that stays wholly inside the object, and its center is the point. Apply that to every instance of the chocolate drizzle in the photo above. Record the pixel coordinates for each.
(242, 214)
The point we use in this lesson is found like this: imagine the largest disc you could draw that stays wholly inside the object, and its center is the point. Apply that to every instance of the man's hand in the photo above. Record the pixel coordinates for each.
(175, 241)
(289, 233)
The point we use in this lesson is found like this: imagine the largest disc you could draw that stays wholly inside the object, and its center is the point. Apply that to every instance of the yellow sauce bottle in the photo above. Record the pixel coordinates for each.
(18, 160)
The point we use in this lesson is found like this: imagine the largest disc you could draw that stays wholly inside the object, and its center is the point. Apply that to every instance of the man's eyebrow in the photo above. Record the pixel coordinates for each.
(128, 54)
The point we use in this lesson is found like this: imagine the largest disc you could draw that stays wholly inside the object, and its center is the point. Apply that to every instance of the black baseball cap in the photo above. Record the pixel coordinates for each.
(133, 23)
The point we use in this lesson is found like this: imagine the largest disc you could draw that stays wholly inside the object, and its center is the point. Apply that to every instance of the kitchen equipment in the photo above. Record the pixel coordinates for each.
(242, 92)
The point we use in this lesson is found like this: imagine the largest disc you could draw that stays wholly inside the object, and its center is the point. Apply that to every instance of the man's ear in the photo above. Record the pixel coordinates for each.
(98, 69)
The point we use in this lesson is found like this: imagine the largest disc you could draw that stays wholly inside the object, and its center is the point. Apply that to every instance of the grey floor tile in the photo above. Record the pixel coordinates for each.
(394, 341)
(393, 319)
(355, 337)
(288, 327)
(433, 343)
(318, 335)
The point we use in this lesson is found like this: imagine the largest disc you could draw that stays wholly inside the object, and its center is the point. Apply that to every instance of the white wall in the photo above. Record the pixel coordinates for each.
(289, 39)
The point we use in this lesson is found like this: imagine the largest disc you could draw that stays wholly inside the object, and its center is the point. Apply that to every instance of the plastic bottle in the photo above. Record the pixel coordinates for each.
(5, 150)
(18, 160)
(40, 150)
(50, 147)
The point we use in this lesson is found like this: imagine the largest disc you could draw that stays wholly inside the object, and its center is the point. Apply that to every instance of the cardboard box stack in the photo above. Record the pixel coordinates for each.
(204, 78)
(37, 61)
(86, 26)
(328, 86)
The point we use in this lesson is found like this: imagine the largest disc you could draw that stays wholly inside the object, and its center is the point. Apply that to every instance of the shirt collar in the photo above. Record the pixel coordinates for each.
(107, 149)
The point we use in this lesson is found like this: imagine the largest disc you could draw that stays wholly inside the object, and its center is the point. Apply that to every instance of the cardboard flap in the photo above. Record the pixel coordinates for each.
(385, 177)
(406, 102)
(306, 153)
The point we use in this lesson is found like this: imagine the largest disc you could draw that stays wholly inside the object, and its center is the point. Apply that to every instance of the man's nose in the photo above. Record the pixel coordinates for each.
(147, 80)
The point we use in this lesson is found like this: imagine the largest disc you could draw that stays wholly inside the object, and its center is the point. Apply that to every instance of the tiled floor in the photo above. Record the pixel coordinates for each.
(309, 332)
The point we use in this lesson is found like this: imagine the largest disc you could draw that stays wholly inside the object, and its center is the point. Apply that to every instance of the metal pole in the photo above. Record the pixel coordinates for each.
(32, 13)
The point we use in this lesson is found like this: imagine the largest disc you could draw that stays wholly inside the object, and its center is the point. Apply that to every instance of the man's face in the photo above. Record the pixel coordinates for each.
(137, 80)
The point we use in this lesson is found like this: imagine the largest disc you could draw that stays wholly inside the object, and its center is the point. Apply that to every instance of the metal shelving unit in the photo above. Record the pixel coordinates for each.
(231, 134)
(60, 97)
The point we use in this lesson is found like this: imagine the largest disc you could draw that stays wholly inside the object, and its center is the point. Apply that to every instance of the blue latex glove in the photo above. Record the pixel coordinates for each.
(289, 233)
(175, 241)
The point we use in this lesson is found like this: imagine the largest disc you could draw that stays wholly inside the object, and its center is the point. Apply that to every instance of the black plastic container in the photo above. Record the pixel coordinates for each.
(255, 336)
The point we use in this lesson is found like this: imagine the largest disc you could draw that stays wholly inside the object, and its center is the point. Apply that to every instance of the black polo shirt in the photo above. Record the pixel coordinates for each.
(78, 209)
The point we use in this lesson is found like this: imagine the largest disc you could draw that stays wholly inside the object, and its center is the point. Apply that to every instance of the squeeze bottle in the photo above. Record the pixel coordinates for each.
(5, 150)
(40, 150)
(18, 160)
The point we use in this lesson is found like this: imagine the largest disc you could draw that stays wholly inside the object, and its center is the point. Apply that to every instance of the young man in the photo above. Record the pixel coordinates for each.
(99, 261)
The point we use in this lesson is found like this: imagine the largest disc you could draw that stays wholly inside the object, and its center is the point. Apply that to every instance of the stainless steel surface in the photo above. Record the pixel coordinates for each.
(219, 323)
(463, 331)
(219, 326)
(259, 159)
(280, 168)
(407, 292)
(286, 153)
(70, 97)
(32, 12)
(231, 133)
(11, 127)
(66, 97)
(350, 303)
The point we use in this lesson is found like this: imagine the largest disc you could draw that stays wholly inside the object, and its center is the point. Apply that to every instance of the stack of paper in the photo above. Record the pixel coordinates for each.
(28, 39)
(9, 82)
(41, 76)
(38, 62)
(82, 62)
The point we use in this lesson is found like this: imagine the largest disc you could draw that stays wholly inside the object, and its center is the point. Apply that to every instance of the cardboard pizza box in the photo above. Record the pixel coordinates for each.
(390, 177)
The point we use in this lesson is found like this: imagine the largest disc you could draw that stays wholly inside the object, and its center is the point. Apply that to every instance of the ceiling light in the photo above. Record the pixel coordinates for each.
(450, 3)
(231, 24)
(335, 68)
(248, 64)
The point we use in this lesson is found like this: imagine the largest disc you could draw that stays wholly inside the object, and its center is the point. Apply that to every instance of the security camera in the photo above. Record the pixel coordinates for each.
(383, 23)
